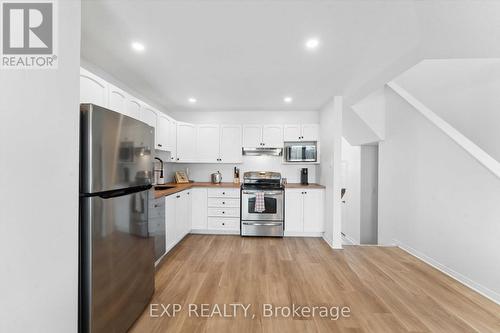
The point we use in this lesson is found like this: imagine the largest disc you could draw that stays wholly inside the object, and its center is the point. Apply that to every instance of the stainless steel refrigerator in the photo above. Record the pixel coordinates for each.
(116, 252)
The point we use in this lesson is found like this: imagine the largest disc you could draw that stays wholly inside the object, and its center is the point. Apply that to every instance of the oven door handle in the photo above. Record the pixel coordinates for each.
(276, 224)
(265, 192)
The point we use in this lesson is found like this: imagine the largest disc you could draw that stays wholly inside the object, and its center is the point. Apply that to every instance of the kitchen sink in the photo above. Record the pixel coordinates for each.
(163, 187)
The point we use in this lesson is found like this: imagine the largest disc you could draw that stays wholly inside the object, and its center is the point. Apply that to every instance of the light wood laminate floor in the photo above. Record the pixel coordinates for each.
(386, 289)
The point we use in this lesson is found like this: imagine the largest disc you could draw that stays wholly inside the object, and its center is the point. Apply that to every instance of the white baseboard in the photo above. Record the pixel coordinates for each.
(329, 241)
(348, 240)
(486, 292)
(214, 232)
(302, 234)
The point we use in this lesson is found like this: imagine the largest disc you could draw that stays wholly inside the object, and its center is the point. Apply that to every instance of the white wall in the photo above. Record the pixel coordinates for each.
(351, 181)
(436, 200)
(464, 92)
(330, 168)
(369, 194)
(360, 178)
(371, 110)
(201, 172)
(247, 117)
(39, 114)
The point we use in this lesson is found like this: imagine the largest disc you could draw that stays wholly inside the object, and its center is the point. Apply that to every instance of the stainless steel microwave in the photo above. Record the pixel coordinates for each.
(301, 152)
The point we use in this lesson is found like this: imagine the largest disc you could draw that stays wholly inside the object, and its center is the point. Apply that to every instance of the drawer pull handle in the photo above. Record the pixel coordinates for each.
(223, 203)
(223, 193)
(223, 223)
(223, 212)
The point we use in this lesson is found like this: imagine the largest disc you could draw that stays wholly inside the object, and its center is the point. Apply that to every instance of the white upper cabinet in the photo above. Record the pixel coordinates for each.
(230, 144)
(93, 89)
(262, 136)
(186, 142)
(304, 132)
(163, 132)
(207, 143)
(272, 136)
(172, 140)
(292, 133)
(252, 136)
(310, 132)
(133, 108)
(117, 100)
(148, 115)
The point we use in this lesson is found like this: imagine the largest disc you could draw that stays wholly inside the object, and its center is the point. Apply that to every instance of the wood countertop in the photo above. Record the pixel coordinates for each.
(298, 185)
(181, 187)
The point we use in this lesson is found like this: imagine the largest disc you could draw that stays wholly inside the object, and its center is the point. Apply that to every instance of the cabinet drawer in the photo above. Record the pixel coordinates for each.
(222, 212)
(224, 202)
(224, 192)
(223, 223)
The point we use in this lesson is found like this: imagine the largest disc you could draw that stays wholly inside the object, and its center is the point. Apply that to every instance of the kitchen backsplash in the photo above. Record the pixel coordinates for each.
(201, 172)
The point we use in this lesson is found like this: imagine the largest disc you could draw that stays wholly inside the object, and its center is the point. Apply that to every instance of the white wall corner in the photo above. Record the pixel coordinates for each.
(371, 110)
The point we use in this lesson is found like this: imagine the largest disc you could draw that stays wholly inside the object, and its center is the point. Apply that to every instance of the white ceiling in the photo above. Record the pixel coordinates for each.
(247, 55)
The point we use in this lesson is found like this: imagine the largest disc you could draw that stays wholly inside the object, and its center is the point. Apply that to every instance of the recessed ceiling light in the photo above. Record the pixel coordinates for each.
(192, 100)
(136, 46)
(312, 43)
(287, 99)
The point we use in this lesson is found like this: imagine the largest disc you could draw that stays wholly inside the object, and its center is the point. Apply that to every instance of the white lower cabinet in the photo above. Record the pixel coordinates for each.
(199, 208)
(170, 225)
(177, 217)
(223, 207)
(304, 212)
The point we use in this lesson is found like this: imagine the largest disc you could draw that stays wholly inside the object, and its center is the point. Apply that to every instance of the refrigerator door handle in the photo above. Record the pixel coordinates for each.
(118, 193)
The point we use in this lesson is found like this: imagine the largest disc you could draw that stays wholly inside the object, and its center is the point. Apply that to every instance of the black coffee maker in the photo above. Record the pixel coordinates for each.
(304, 178)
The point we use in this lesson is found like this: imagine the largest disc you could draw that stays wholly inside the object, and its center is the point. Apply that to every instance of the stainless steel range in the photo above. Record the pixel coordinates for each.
(262, 203)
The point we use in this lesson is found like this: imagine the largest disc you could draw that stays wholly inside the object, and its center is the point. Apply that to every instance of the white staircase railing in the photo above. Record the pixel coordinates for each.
(479, 154)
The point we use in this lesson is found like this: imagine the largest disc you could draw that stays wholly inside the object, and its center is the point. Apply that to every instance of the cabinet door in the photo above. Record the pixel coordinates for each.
(310, 132)
(189, 212)
(117, 100)
(133, 107)
(207, 143)
(148, 115)
(199, 208)
(313, 211)
(294, 213)
(252, 136)
(93, 89)
(292, 133)
(186, 142)
(230, 144)
(182, 214)
(172, 140)
(170, 216)
(162, 132)
(272, 136)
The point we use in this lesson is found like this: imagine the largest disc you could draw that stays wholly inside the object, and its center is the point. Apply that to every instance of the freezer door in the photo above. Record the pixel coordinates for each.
(116, 150)
(117, 258)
